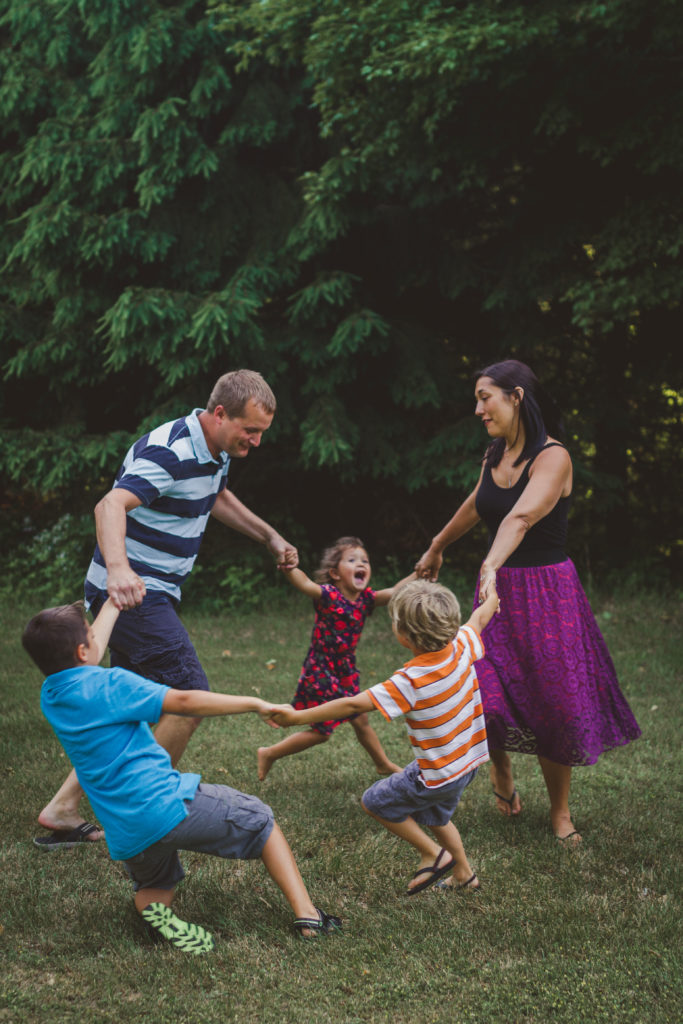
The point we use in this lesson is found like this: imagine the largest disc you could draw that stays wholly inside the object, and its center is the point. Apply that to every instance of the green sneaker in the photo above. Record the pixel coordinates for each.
(191, 938)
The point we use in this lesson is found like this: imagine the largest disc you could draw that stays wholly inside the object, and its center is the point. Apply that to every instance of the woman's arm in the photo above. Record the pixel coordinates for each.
(464, 519)
(548, 478)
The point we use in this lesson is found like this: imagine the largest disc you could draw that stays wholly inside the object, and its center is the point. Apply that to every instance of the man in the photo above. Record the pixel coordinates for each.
(149, 530)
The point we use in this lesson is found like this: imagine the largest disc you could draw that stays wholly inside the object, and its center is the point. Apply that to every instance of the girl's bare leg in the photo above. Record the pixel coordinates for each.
(369, 740)
(294, 744)
(558, 781)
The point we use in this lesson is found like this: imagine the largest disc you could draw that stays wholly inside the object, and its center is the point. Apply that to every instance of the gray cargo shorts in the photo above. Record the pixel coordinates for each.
(221, 821)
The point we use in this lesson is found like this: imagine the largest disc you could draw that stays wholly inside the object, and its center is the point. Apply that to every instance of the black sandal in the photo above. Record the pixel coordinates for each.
(507, 800)
(443, 886)
(324, 924)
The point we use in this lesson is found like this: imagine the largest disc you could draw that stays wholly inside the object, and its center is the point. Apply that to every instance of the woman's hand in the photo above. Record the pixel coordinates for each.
(427, 568)
(487, 582)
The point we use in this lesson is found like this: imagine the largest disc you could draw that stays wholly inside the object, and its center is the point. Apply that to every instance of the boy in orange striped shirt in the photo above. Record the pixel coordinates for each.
(437, 691)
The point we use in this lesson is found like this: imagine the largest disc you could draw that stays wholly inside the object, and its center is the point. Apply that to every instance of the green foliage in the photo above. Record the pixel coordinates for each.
(365, 201)
(49, 568)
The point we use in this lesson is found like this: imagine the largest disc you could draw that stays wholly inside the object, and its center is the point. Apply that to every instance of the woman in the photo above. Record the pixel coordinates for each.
(548, 683)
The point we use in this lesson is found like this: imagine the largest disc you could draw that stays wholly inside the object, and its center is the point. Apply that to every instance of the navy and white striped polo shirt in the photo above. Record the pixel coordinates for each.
(173, 473)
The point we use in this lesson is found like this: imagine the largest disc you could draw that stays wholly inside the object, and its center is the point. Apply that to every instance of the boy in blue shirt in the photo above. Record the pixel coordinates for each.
(148, 809)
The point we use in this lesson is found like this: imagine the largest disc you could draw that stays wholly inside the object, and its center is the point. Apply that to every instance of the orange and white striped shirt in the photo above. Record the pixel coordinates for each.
(439, 694)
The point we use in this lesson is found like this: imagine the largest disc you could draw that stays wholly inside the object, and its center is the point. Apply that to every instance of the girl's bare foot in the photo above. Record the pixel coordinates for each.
(264, 762)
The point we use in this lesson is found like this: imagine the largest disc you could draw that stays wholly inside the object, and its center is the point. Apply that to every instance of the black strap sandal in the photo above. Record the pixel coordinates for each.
(506, 800)
(467, 886)
(324, 924)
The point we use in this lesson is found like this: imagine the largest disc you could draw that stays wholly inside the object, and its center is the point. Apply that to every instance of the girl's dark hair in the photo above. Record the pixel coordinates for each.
(538, 412)
(331, 557)
(52, 636)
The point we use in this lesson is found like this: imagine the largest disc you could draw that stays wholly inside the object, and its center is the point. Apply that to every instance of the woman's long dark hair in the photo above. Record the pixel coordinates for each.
(539, 414)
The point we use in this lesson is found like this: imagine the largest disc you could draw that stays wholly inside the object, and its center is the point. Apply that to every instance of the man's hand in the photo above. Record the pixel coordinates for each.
(286, 554)
(125, 588)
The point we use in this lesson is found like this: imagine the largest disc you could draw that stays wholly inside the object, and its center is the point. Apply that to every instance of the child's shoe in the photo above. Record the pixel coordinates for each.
(325, 924)
(191, 938)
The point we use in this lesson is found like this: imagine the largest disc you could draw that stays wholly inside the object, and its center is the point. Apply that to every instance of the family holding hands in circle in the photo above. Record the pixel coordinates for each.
(527, 672)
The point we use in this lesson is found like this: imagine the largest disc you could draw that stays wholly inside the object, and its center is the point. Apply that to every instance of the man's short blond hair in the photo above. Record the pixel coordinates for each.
(426, 614)
(233, 390)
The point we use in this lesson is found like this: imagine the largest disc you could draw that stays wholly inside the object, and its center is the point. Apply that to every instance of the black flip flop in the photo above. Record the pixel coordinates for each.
(507, 800)
(434, 872)
(66, 838)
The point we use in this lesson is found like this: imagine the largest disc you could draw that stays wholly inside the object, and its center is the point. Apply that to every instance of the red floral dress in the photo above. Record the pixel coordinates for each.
(329, 670)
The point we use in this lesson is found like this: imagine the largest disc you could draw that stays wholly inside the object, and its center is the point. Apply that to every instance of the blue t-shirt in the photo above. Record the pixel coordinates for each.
(101, 716)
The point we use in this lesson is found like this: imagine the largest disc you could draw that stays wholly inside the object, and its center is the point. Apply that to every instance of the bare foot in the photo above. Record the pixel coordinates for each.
(264, 762)
(66, 823)
(388, 769)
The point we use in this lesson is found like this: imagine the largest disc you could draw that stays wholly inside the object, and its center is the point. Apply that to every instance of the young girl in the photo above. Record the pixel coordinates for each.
(342, 600)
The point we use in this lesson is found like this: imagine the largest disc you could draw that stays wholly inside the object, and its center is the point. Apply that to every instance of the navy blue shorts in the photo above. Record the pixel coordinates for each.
(404, 795)
(220, 821)
(151, 640)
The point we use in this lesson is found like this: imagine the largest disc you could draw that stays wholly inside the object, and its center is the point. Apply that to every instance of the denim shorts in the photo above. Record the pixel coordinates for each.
(221, 822)
(404, 795)
(151, 640)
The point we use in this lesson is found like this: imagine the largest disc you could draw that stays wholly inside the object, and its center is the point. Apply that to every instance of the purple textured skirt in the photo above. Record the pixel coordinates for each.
(548, 684)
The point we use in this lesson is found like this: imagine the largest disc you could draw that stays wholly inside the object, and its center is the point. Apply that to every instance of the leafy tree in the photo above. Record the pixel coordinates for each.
(366, 201)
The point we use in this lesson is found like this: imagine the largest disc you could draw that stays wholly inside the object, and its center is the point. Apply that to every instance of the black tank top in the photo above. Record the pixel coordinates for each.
(544, 543)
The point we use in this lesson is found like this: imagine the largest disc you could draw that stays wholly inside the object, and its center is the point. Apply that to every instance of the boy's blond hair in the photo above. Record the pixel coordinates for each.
(426, 614)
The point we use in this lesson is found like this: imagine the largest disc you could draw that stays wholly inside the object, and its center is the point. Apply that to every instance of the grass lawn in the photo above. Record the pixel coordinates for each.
(558, 935)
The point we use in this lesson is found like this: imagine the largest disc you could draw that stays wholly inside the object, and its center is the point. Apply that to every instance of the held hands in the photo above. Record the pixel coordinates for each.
(286, 554)
(427, 568)
(125, 588)
(272, 713)
(283, 715)
(487, 582)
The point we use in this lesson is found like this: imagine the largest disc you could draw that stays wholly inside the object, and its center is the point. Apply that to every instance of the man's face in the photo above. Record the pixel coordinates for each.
(238, 435)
